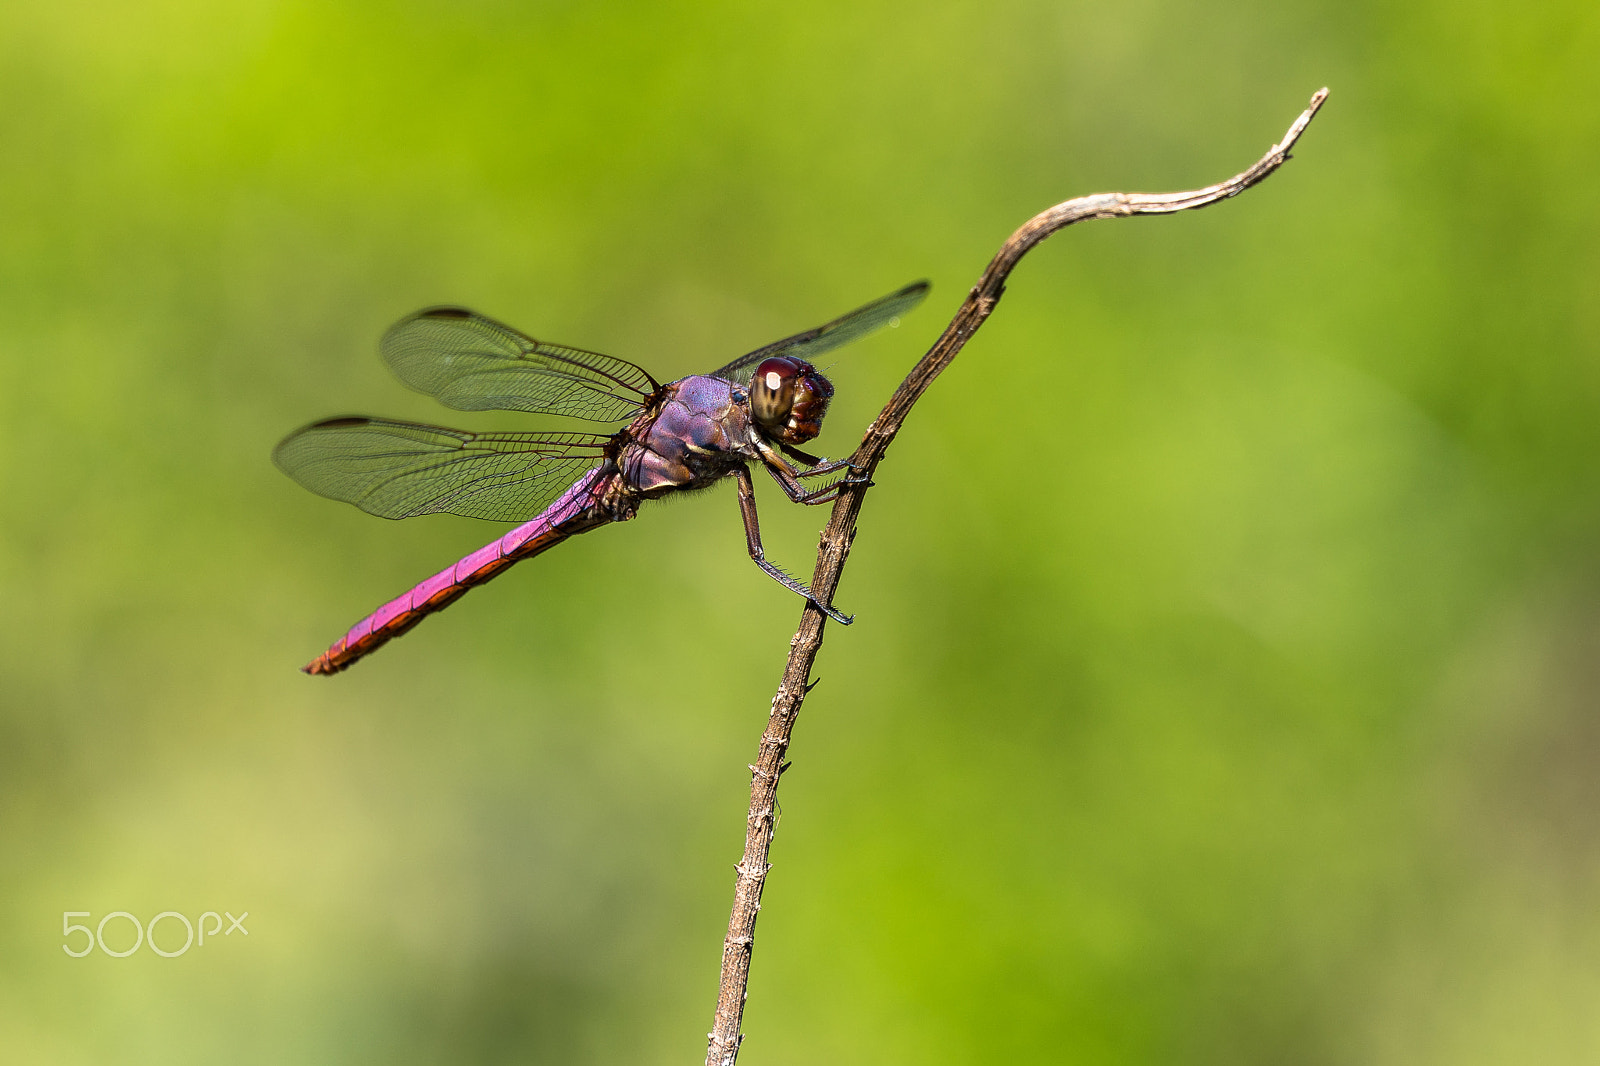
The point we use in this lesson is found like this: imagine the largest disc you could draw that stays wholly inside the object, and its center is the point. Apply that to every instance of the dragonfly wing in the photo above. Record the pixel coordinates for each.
(813, 342)
(473, 363)
(401, 469)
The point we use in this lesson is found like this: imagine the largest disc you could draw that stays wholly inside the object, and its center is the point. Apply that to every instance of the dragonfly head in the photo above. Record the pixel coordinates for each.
(788, 399)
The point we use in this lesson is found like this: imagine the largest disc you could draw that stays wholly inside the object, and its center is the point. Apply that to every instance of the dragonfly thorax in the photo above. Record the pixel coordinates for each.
(788, 399)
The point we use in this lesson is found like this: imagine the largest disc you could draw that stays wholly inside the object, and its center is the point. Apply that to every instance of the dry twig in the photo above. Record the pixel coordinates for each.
(724, 1038)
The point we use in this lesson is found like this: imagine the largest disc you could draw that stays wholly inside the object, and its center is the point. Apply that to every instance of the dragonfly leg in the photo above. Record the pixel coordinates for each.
(856, 476)
(798, 493)
(788, 477)
(752, 535)
(828, 467)
(803, 458)
(817, 465)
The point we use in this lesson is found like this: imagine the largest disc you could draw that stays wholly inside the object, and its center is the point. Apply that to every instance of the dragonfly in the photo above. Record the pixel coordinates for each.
(679, 437)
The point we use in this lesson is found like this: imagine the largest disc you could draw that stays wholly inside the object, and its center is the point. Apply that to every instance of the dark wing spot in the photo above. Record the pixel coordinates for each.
(338, 423)
(446, 312)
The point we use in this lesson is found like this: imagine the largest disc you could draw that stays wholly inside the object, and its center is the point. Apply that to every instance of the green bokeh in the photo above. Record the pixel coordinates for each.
(1224, 687)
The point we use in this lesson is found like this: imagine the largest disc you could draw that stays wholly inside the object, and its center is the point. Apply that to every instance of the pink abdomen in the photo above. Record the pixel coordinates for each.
(573, 512)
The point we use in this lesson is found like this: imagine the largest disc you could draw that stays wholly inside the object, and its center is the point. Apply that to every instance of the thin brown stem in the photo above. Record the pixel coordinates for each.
(840, 532)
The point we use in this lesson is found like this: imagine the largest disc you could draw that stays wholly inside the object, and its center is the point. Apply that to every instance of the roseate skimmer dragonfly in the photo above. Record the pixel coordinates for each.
(681, 436)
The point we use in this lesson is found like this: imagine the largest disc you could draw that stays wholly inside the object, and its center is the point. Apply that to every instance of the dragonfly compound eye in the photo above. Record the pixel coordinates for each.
(772, 392)
(788, 399)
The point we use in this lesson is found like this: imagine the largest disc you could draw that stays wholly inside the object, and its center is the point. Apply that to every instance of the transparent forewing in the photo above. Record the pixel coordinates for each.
(473, 363)
(402, 469)
(842, 330)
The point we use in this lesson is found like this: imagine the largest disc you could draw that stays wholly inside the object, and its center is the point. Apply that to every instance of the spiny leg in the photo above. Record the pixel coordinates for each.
(798, 493)
(788, 478)
(752, 535)
(817, 465)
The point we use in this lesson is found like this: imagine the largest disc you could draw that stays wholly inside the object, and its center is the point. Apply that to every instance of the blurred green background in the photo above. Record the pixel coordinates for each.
(1224, 685)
